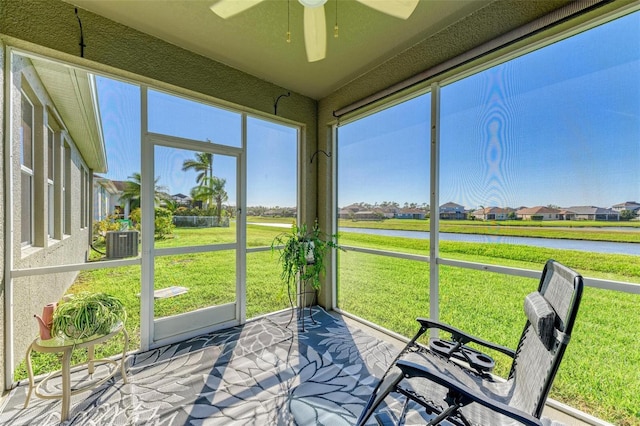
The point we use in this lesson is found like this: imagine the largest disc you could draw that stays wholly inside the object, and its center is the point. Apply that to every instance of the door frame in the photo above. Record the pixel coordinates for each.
(158, 332)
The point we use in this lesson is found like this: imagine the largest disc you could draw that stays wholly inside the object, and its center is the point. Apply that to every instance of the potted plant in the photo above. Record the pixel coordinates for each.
(87, 314)
(302, 255)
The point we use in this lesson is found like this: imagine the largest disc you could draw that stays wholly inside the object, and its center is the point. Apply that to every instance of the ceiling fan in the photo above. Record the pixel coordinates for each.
(315, 26)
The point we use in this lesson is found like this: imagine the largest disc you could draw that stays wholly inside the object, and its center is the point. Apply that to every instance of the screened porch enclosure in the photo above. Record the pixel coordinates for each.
(539, 143)
(177, 156)
(521, 146)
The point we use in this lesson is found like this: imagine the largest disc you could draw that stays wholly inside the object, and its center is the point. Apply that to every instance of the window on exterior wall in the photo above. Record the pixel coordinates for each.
(51, 159)
(66, 193)
(87, 198)
(26, 171)
(83, 198)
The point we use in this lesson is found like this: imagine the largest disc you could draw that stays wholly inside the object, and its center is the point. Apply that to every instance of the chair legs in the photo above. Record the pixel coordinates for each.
(385, 386)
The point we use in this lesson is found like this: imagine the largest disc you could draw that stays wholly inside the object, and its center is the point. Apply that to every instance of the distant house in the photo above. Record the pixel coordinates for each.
(345, 214)
(592, 213)
(124, 206)
(493, 213)
(627, 205)
(106, 198)
(452, 210)
(386, 212)
(368, 215)
(349, 211)
(182, 200)
(408, 213)
(539, 213)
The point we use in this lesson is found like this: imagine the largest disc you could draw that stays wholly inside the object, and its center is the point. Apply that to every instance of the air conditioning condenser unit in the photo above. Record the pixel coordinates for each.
(122, 244)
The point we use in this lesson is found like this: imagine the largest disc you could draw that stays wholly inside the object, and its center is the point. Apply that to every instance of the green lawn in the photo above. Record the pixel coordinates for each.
(601, 370)
(600, 373)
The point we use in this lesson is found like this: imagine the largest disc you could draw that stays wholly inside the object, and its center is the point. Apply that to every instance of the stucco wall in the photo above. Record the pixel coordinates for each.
(30, 294)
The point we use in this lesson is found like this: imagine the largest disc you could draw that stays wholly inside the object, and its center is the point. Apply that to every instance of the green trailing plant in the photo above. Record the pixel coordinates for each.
(87, 314)
(302, 254)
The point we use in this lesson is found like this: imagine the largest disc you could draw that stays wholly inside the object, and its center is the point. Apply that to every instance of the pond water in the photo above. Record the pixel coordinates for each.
(590, 246)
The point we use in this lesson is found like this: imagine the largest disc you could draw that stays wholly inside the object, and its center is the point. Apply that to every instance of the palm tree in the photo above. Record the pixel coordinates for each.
(131, 191)
(203, 164)
(212, 188)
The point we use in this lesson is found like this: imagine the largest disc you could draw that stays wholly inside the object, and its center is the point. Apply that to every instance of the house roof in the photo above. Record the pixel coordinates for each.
(181, 196)
(494, 210)
(119, 184)
(106, 183)
(537, 210)
(73, 93)
(411, 211)
(630, 204)
(590, 210)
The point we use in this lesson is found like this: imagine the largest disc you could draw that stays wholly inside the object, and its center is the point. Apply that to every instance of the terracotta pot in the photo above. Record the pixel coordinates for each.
(46, 320)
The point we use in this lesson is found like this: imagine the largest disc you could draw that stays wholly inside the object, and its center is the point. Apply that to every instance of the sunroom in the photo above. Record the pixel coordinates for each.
(478, 104)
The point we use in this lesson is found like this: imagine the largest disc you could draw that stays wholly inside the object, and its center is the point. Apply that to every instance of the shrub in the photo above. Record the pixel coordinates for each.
(101, 227)
(163, 222)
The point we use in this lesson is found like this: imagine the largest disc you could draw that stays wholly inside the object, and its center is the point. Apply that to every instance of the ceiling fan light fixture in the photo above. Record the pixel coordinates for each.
(312, 3)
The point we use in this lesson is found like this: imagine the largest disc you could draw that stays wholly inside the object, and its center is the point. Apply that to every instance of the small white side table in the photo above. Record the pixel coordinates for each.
(66, 346)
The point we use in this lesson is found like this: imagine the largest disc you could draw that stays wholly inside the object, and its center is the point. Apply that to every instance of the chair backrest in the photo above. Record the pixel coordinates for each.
(551, 312)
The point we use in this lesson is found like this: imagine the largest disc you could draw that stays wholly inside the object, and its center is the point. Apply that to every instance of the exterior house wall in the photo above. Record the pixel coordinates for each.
(493, 213)
(545, 216)
(30, 294)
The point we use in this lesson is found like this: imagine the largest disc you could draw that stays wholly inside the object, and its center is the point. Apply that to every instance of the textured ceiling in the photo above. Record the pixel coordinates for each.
(254, 41)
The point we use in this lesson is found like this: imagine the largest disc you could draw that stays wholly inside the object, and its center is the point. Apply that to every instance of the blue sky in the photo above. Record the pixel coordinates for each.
(271, 154)
(560, 125)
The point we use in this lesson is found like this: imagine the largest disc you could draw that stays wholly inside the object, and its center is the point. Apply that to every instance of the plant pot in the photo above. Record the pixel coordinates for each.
(46, 320)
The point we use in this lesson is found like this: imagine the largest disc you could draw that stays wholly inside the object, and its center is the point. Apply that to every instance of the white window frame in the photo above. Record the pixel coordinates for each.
(66, 182)
(27, 170)
(51, 172)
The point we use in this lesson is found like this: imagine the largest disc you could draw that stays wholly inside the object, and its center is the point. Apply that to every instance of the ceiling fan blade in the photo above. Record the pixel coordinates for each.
(399, 8)
(315, 33)
(228, 8)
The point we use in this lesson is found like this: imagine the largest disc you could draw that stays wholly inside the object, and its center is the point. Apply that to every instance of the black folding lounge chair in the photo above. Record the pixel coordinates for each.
(465, 393)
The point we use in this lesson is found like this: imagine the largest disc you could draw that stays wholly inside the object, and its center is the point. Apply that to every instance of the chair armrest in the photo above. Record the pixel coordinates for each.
(411, 369)
(464, 338)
